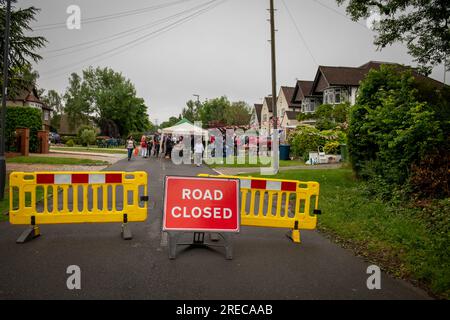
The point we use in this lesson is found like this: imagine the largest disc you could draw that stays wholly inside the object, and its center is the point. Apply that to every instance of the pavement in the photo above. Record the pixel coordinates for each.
(266, 265)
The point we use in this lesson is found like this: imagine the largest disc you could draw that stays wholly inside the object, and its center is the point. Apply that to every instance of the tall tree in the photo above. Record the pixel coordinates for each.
(54, 100)
(172, 121)
(109, 99)
(23, 47)
(213, 111)
(237, 113)
(422, 25)
(190, 112)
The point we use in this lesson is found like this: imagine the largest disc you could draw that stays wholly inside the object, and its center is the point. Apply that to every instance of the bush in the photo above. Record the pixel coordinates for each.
(81, 129)
(24, 117)
(87, 137)
(305, 139)
(332, 147)
(70, 143)
(392, 133)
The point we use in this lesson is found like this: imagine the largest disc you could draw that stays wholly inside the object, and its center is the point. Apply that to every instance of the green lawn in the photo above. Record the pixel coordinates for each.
(4, 206)
(55, 160)
(91, 149)
(246, 164)
(408, 242)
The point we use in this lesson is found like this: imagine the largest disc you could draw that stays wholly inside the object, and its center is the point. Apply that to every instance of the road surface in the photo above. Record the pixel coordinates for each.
(266, 264)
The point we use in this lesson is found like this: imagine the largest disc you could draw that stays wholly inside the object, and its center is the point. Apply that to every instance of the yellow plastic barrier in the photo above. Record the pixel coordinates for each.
(278, 203)
(77, 197)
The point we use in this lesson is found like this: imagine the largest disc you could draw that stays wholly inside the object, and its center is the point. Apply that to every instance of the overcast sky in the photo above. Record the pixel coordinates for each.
(222, 51)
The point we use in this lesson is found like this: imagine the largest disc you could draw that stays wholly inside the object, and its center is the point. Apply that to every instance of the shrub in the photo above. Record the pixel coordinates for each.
(87, 137)
(392, 133)
(305, 139)
(24, 117)
(70, 143)
(332, 147)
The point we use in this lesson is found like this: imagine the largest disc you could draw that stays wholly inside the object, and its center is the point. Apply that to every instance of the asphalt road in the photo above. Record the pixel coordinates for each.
(266, 264)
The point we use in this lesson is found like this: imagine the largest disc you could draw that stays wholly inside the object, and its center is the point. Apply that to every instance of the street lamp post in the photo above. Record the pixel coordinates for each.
(4, 94)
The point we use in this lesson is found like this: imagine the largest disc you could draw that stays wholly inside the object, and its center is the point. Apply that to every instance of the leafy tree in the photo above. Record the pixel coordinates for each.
(213, 111)
(391, 131)
(328, 116)
(191, 111)
(23, 47)
(109, 99)
(172, 121)
(238, 113)
(77, 101)
(422, 25)
(54, 100)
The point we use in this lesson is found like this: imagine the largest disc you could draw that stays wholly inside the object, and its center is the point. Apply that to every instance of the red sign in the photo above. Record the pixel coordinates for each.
(201, 204)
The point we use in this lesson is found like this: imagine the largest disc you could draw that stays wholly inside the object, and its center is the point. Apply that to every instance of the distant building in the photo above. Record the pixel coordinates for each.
(266, 114)
(331, 85)
(30, 98)
(255, 119)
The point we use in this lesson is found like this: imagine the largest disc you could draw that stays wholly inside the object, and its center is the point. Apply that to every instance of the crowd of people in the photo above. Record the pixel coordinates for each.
(154, 146)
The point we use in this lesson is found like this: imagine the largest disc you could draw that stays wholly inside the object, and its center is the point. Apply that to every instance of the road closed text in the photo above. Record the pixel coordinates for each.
(195, 203)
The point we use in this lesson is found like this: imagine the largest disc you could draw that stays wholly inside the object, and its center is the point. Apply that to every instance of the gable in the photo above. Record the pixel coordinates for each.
(321, 83)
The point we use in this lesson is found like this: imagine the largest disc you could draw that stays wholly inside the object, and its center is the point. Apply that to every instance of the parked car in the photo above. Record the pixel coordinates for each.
(54, 138)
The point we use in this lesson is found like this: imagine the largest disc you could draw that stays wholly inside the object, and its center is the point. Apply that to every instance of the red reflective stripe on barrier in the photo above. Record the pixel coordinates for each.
(289, 186)
(113, 178)
(80, 178)
(45, 178)
(258, 184)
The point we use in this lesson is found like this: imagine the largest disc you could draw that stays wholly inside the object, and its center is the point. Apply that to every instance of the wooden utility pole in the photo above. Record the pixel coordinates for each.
(275, 147)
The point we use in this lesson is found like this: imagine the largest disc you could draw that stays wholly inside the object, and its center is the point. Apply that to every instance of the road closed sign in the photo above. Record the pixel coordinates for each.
(201, 204)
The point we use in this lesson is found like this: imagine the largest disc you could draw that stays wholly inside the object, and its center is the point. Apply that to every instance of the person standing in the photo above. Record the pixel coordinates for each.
(198, 153)
(143, 147)
(130, 147)
(149, 142)
(156, 145)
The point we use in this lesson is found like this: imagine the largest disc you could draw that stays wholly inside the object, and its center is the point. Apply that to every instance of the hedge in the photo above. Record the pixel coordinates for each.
(23, 117)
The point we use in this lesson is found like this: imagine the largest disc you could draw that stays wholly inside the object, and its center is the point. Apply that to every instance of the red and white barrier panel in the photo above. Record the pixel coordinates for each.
(268, 185)
(78, 178)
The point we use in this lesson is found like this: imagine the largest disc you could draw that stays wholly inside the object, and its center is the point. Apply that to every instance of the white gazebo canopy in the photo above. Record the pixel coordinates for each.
(185, 127)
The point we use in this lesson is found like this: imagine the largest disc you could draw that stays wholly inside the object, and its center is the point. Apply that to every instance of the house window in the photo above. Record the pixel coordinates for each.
(46, 115)
(337, 95)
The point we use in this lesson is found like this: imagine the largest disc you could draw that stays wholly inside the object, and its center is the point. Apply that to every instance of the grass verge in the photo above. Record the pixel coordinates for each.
(90, 150)
(56, 160)
(406, 240)
(246, 164)
(4, 204)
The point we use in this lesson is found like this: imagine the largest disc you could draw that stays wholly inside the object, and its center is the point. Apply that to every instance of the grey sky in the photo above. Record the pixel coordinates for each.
(224, 51)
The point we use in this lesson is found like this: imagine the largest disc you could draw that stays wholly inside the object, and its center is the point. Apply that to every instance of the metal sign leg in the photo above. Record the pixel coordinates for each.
(30, 233)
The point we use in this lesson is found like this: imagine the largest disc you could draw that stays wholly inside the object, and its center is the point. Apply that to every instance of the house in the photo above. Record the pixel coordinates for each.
(255, 119)
(285, 101)
(303, 96)
(30, 98)
(266, 114)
